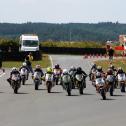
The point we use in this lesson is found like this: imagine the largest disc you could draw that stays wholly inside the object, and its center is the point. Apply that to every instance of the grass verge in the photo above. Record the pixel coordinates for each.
(45, 62)
(116, 62)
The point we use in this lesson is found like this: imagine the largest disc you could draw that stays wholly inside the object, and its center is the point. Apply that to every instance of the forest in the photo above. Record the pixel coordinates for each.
(97, 32)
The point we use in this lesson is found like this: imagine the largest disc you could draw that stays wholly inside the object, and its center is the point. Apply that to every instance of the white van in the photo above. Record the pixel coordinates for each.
(29, 42)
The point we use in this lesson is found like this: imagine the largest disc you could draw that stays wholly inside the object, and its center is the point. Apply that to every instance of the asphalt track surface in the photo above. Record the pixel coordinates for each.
(38, 108)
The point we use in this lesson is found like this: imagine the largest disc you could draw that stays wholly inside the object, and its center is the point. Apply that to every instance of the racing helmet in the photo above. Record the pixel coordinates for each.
(72, 68)
(14, 68)
(65, 71)
(57, 66)
(99, 68)
(24, 64)
(120, 68)
(79, 69)
(49, 69)
(37, 66)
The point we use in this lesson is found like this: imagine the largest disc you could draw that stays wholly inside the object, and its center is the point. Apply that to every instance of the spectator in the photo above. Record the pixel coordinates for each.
(29, 65)
(30, 57)
(110, 53)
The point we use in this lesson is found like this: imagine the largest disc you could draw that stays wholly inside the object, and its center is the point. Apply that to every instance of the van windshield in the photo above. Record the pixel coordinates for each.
(30, 43)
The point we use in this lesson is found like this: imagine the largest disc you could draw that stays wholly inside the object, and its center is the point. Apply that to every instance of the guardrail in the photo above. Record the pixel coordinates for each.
(12, 53)
(66, 50)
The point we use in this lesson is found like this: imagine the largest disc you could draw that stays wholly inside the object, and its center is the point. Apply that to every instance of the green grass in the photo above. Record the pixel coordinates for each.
(116, 62)
(73, 44)
(45, 62)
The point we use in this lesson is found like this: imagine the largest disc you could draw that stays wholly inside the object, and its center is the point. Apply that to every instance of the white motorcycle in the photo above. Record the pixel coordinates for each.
(67, 83)
(24, 75)
(80, 82)
(15, 82)
(100, 87)
(57, 76)
(37, 79)
(49, 81)
(92, 74)
(110, 82)
(121, 81)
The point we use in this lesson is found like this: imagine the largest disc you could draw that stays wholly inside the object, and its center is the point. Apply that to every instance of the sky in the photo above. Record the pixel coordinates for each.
(62, 11)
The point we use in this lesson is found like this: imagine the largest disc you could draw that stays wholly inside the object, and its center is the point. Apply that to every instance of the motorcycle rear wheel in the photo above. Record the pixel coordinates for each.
(36, 86)
(68, 90)
(49, 86)
(15, 90)
(103, 94)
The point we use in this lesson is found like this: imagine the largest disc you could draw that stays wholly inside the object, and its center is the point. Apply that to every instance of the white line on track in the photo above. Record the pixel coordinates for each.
(51, 61)
(2, 74)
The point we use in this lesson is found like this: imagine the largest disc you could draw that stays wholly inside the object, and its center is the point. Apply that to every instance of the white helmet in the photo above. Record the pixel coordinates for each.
(37, 66)
(65, 71)
(24, 64)
(14, 68)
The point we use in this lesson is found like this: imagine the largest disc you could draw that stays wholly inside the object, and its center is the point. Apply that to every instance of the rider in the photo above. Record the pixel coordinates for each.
(80, 71)
(39, 69)
(49, 70)
(14, 71)
(57, 72)
(57, 68)
(72, 69)
(94, 66)
(109, 72)
(24, 65)
(65, 72)
(99, 72)
(113, 68)
(120, 71)
(99, 69)
(72, 72)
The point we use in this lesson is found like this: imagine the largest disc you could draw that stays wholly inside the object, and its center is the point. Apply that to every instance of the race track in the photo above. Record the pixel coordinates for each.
(38, 108)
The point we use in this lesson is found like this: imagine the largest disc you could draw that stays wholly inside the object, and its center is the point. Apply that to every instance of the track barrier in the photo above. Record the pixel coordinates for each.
(89, 56)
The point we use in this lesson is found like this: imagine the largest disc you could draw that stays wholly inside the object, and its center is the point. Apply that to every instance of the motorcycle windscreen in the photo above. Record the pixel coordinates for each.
(110, 78)
(66, 79)
(56, 71)
(121, 77)
(100, 81)
(79, 77)
(15, 77)
(37, 75)
(49, 77)
(23, 71)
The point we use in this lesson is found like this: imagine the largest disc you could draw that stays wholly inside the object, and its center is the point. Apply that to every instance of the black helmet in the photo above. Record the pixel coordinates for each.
(109, 70)
(72, 68)
(57, 66)
(112, 66)
(94, 65)
(79, 69)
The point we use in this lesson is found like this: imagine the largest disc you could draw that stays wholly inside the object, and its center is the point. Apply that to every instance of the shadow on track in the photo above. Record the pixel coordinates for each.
(27, 84)
(118, 95)
(56, 92)
(41, 89)
(73, 95)
(108, 99)
(88, 94)
(22, 93)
